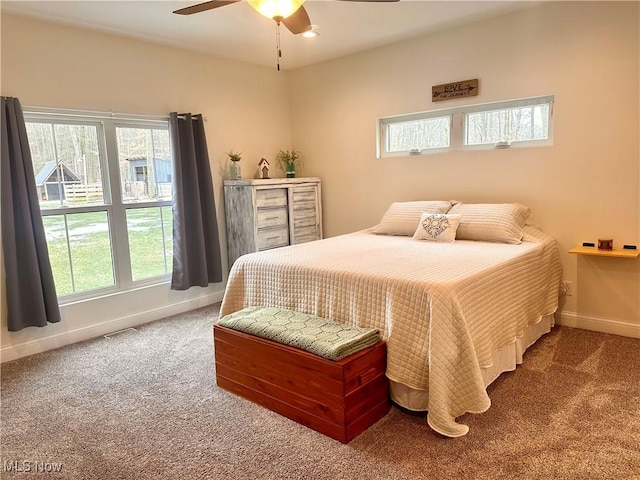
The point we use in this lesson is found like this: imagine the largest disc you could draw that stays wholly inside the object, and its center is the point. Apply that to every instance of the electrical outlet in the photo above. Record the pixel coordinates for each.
(568, 288)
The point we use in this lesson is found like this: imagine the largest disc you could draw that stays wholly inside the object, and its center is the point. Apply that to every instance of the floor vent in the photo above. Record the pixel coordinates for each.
(120, 332)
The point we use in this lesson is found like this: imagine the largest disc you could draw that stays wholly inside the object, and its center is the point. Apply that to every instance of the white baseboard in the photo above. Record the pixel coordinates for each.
(596, 324)
(23, 349)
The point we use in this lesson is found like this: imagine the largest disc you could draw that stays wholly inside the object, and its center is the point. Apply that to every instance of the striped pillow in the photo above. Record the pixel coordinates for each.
(491, 222)
(402, 217)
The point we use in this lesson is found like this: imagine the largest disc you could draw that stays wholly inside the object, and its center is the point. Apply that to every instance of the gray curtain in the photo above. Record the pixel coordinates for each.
(31, 293)
(196, 245)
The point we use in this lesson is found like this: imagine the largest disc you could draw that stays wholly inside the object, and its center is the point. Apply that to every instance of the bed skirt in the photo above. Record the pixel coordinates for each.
(504, 360)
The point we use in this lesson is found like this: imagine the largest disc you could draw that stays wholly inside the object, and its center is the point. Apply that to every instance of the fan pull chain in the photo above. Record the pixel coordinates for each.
(278, 51)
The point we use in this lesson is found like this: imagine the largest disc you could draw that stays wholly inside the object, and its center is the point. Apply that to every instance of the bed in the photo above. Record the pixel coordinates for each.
(454, 314)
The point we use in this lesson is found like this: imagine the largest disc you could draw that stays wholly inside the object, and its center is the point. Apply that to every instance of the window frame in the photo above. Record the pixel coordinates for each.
(114, 206)
(458, 127)
(436, 114)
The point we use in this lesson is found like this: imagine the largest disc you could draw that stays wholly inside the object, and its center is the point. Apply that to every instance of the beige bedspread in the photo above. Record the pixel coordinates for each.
(443, 308)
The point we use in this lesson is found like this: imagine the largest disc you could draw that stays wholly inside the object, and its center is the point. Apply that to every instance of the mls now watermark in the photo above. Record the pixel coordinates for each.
(31, 466)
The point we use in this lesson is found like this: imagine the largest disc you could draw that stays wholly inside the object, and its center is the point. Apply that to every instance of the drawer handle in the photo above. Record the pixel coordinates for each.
(272, 218)
(273, 238)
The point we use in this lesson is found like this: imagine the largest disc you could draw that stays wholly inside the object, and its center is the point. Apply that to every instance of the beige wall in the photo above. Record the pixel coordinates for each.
(583, 187)
(246, 107)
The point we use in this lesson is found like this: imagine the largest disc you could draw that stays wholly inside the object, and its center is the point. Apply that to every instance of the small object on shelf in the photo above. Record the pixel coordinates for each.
(263, 168)
(588, 244)
(288, 161)
(630, 247)
(234, 171)
(234, 168)
(605, 244)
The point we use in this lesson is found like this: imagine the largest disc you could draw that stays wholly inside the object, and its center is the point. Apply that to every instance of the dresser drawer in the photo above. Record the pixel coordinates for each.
(304, 221)
(306, 234)
(306, 205)
(273, 237)
(272, 197)
(272, 217)
(304, 195)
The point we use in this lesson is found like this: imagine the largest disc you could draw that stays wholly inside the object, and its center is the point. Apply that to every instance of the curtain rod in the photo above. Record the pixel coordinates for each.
(100, 114)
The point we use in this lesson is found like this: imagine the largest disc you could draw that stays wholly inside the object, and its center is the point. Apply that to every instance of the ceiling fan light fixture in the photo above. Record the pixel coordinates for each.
(311, 32)
(276, 9)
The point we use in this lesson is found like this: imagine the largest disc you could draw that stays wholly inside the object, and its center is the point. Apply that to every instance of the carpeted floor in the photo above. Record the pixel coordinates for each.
(145, 406)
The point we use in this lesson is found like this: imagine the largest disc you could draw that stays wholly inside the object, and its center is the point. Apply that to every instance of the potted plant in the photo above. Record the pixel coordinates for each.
(288, 161)
(234, 168)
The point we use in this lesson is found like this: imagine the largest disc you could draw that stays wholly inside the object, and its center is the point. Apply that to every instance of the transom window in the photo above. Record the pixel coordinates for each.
(524, 122)
(417, 135)
(104, 187)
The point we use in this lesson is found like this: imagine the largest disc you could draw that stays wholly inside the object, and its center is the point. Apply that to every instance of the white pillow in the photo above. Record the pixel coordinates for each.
(437, 227)
(401, 218)
(491, 222)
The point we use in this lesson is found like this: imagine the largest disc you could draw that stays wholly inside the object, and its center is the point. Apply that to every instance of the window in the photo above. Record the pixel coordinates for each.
(525, 122)
(104, 187)
(509, 122)
(417, 135)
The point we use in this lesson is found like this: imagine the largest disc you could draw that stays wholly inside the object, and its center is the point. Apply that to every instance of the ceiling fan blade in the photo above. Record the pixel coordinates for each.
(203, 7)
(298, 22)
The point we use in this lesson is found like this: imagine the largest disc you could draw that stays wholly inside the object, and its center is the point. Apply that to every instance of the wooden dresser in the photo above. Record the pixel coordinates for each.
(272, 213)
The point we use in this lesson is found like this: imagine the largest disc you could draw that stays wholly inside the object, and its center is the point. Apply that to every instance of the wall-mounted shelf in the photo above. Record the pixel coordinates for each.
(616, 252)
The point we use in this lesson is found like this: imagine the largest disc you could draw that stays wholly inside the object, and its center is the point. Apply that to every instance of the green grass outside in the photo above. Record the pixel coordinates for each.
(88, 253)
(148, 246)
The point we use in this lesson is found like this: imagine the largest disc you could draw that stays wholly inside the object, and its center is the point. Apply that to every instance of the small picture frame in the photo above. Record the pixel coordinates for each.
(605, 244)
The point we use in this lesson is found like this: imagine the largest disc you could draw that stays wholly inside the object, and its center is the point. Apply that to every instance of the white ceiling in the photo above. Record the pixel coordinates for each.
(238, 32)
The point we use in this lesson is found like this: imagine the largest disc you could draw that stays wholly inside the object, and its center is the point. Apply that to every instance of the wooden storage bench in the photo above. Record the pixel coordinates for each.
(340, 398)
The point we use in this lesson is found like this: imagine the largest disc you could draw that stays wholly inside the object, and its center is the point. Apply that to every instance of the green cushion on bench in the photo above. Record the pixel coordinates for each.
(317, 335)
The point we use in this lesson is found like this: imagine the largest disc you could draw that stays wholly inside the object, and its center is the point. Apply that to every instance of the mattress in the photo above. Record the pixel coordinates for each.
(444, 309)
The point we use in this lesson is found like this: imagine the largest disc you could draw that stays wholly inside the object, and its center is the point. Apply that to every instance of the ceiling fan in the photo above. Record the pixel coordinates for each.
(290, 12)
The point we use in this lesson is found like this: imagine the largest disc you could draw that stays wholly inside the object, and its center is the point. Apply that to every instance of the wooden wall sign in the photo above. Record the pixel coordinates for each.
(446, 91)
